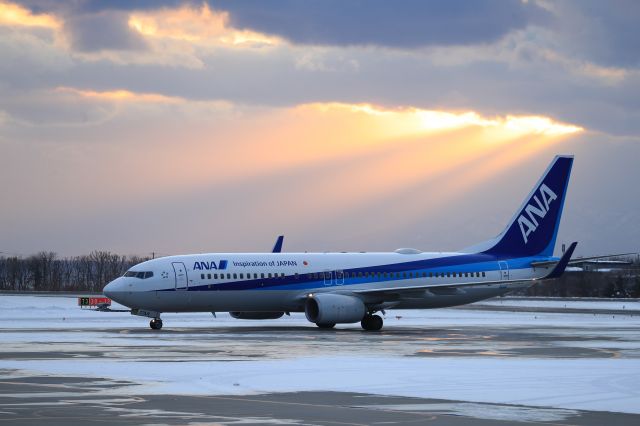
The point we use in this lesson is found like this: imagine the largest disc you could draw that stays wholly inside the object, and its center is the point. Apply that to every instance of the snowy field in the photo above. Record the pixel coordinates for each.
(587, 361)
(573, 303)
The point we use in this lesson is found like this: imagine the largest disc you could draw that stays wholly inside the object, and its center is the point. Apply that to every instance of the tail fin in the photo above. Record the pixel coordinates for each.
(534, 228)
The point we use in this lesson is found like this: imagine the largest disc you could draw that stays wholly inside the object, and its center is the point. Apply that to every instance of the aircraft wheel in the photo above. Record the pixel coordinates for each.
(371, 322)
(326, 325)
(155, 324)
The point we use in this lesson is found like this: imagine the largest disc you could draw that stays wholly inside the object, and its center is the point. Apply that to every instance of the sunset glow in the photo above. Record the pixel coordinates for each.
(13, 14)
(410, 119)
(195, 25)
(121, 95)
(329, 121)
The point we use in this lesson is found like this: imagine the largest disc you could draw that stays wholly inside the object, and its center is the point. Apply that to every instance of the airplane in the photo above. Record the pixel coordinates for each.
(344, 288)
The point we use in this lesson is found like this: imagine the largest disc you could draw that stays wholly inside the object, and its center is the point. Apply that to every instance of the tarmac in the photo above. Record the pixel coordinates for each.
(45, 395)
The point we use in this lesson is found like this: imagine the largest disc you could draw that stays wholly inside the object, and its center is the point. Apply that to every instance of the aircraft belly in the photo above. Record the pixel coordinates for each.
(220, 301)
(469, 295)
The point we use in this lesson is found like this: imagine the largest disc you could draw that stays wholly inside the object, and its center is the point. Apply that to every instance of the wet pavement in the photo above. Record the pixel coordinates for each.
(71, 367)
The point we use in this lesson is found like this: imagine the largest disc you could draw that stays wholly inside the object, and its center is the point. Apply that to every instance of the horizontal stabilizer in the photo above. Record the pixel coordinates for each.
(579, 260)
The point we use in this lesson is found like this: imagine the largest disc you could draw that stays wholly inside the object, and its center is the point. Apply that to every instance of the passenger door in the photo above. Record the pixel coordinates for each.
(327, 278)
(504, 270)
(182, 283)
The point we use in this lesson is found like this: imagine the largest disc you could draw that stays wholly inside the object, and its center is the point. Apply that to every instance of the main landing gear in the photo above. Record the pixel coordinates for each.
(155, 324)
(371, 322)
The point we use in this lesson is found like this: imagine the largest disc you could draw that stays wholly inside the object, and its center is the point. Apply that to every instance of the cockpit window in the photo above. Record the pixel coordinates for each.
(137, 274)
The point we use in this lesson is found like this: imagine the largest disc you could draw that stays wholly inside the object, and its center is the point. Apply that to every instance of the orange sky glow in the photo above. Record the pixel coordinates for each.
(224, 112)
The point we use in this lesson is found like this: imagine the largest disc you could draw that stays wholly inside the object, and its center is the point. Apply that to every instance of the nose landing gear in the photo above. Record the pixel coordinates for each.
(371, 322)
(155, 324)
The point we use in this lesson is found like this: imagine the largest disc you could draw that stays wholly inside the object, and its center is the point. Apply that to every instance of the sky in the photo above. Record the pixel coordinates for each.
(364, 125)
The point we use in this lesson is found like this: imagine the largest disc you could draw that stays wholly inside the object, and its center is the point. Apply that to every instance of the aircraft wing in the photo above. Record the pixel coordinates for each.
(557, 271)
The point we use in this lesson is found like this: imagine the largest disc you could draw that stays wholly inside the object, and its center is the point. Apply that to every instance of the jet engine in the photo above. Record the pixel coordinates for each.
(327, 308)
(256, 315)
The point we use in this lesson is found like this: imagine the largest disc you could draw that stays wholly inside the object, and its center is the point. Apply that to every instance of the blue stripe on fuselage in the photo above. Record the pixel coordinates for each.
(463, 263)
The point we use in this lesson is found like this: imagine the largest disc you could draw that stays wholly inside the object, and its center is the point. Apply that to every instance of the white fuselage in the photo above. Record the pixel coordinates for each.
(270, 282)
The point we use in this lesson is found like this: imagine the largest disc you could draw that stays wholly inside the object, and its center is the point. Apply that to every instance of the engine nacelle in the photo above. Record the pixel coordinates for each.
(327, 308)
(256, 315)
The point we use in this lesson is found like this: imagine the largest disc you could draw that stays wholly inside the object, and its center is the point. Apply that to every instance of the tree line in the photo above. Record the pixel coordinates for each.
(617, 284)
(45, 271)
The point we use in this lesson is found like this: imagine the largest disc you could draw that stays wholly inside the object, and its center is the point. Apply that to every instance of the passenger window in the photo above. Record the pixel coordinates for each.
(228, 276)
(430, 274)
(269, 274)
(202, 276)
(255, 276)
(448, 274)
(483, 273)
(478, 274)
(262, 275)
(282, 275)
(241, 276)
(235, 276)
(215, 276)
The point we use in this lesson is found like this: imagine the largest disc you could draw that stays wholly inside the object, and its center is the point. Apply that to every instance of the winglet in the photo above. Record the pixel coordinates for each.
(562, 263)
(277, 248)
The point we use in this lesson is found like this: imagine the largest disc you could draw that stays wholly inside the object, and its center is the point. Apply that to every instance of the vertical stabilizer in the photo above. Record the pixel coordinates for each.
(534, 228)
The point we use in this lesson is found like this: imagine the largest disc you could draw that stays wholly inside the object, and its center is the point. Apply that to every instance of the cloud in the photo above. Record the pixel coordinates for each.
(404, 24)
(196, 25)
(413, 120)
(162, 33)
(121, 96)
(16, 15)
(102, 31)
(605, 33)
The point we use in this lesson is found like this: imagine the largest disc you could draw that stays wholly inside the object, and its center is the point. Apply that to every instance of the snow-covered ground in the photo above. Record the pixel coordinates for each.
(578, 303)
(565, 360)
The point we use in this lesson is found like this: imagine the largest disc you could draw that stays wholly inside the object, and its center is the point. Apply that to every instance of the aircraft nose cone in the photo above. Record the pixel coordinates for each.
(108, 290)
(114, 290)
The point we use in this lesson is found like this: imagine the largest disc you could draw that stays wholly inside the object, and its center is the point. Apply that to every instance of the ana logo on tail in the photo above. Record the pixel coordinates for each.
(529, 224)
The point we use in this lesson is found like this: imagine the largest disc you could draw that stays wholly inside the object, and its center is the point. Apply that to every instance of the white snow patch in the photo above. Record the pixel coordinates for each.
(587, 384)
